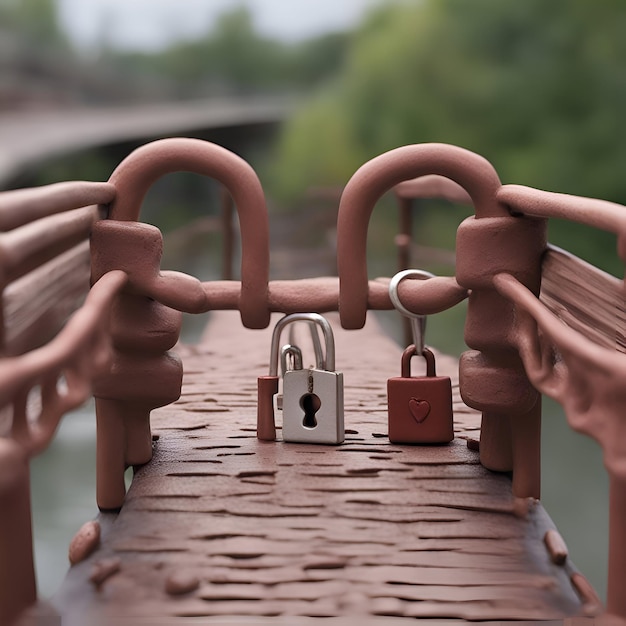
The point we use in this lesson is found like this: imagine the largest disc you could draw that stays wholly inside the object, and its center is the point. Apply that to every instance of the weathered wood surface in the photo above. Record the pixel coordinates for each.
(36, 306)
(585, 298)
(365, 529)
(27, 247)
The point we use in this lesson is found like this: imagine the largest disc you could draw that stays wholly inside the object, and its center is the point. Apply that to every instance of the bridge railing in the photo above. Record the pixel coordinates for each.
(569, 334)
(503, 265)
(44, 278)
(44, 258)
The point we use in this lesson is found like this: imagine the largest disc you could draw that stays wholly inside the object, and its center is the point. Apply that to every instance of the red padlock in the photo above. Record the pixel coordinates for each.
(420, 408)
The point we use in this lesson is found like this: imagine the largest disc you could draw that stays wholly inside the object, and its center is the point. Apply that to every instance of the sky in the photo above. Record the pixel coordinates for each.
(152, 24)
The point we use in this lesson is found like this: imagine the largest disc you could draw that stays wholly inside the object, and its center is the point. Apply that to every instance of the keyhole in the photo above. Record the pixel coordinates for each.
(310, 404)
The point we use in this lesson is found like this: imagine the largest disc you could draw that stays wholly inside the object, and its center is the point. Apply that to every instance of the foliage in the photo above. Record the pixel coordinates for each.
(35, 19)
(233, 57)
(536, 87)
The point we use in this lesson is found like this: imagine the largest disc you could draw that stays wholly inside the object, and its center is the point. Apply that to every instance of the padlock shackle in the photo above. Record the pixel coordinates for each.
(409, 353)
(296, 354)
(328, 362)
(320, 359)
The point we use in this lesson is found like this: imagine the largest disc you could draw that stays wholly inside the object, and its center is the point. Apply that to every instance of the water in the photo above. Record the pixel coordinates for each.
(575, 492)
(63, 483)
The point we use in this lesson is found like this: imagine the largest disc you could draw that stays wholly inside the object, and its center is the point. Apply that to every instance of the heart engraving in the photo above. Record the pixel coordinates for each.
(419, 409)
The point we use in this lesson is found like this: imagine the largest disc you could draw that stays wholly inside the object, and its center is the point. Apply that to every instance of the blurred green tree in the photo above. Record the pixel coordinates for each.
(35, 19)
(536, 87)
(233, 57)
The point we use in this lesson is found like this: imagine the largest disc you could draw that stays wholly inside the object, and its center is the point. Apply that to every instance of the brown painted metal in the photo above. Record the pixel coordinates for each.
(419, 407)
(77, 354)
(588, 381)
(432, 186)
(267, 388)
(18, 589)
(135, 174)
(368, 184)
(143, 374)
(514, 338)
(485, 244)
(321, 295)
(410, 195)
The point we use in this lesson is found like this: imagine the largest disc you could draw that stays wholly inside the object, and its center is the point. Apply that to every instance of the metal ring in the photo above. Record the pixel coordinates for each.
(418, 322)
(393, 289)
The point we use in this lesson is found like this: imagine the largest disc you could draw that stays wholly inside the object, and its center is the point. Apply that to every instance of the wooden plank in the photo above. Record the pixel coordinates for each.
(585, 298)
(363, 529)
(27, 247)
(37, 305)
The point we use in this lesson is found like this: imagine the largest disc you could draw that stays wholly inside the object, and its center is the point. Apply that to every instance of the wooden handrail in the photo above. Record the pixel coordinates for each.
(23, 206)
(32, 245)
(584, 297)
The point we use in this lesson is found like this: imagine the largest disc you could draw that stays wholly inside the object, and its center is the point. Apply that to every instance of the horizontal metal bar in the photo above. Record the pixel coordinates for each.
(321, 295)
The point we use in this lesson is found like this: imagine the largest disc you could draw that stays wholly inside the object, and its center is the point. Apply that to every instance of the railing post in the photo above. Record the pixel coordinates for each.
(18, 589)
(616, 598)
(492, 376)
(143, 374)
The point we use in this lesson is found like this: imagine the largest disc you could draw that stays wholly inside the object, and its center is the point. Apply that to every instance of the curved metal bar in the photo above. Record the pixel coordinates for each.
(474, 173)
(136, 173)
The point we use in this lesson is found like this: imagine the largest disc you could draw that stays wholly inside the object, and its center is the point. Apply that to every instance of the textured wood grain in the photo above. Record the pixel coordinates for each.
(37, 305)
(29, 246)
(271, 529)
(585, 298)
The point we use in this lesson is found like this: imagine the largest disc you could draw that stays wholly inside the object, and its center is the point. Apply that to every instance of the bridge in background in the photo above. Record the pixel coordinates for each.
(31, 137)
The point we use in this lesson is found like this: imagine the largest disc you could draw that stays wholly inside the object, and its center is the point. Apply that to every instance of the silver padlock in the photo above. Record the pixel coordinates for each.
(313, 396)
